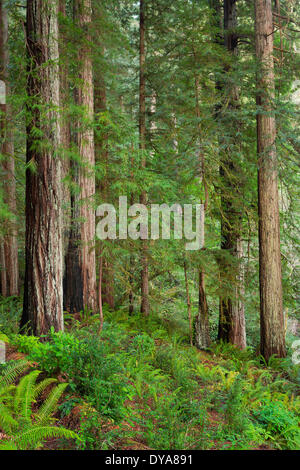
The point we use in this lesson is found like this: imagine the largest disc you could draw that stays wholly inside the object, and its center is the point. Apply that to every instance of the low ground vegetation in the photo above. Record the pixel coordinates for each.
(139, 385)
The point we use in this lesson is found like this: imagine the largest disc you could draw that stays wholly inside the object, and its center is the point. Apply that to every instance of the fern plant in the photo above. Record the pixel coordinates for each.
(23, 427)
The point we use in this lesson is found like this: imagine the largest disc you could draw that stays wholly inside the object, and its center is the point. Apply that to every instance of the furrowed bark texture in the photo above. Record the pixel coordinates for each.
(65, 129)
(238, 308)
(43, 274)
(80, 277)
(102, 156)
(271, 308)
(9, 250)
(231, 319)
(87, 175)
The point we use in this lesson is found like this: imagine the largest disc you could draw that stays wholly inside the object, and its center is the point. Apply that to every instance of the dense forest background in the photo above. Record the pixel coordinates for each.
(182, 102)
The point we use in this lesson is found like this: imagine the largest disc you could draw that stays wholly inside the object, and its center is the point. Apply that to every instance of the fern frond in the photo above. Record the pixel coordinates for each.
(25, 392)
(13, 371)
(34, 437)
(41, 386)
(5, 392)
(8, 445)
(49, 405)
(7, 422)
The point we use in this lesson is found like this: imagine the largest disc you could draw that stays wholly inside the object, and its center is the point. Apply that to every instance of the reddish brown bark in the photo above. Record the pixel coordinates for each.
(80, 277)
(108, 284)
(102, 156)
(87, 175)
(231, 318)
(271, 308)
(65, 130)
(43, 275)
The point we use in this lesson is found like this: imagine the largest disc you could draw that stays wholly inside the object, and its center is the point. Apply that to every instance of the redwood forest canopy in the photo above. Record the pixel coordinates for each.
(152, 339)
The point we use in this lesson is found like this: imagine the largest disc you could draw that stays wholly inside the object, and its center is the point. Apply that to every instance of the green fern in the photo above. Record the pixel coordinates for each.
(45, 412)
(12, 372)
(34, 436)
(24, 428)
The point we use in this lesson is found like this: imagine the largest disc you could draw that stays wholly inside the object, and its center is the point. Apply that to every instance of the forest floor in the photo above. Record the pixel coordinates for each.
(140, 386)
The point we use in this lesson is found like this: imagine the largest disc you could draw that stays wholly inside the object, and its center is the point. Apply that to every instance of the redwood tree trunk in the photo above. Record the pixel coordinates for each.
(43, 274)
(271, 308)
(102, 156)
(9, 250)
(231, 320)
(80, 275)
(145, 307)
(238, 307)
(86, 174)
(65, 128)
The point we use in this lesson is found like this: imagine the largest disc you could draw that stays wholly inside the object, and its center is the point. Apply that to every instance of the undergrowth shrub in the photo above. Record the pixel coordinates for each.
(280, 422)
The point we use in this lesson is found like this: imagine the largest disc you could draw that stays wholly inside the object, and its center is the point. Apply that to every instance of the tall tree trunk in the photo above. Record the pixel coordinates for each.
(202, 335)
(43, 274)
(145, 307)
(231, 320)
(131, 257)
(102, 156)
(238, 307)
(65, 128)
(189, 305)
(80, 277)
(271, 308)
(9, 249)
(101, 319)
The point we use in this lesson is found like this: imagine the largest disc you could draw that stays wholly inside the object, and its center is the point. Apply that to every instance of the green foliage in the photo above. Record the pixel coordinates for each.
(132, 386)
(142, 347)
(53, 353)
(10, 313)
(26, 427)
(281, 423)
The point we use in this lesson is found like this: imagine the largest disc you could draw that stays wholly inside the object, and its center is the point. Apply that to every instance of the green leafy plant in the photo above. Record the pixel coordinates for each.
(278, 420)
(24, 426)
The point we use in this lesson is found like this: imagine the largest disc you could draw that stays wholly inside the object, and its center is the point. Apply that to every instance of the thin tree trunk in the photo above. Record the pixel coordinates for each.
(271, 307)
(145, 307)
(131, 257)
(9, 258)
(188, 300)
(43, 240)
(108, 284)
(202, 335)
(100, 295)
